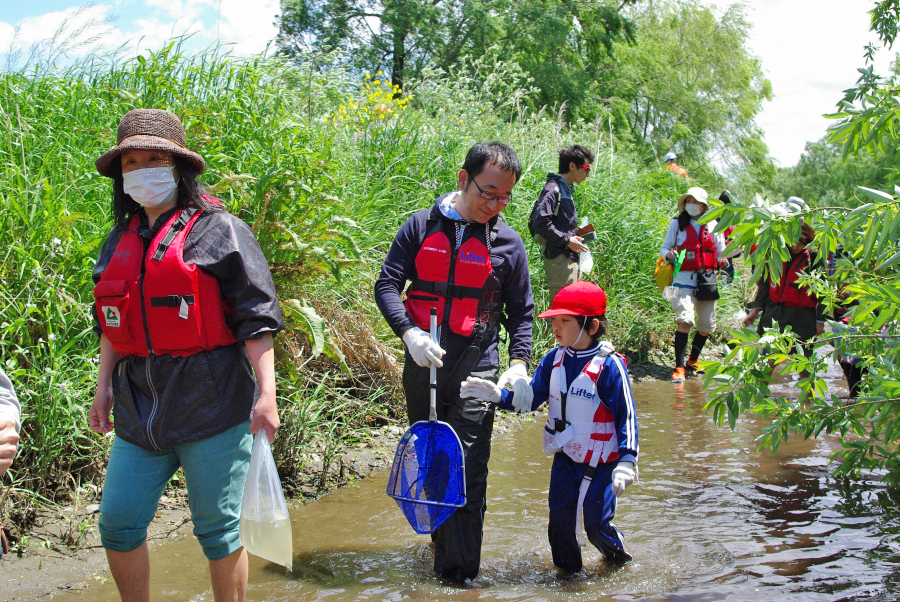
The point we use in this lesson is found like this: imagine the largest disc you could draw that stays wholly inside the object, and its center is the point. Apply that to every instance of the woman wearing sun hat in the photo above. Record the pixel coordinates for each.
(186, 310)
(703, 251)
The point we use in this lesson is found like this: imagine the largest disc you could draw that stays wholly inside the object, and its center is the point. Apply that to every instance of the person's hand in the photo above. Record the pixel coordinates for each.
(423, 350)
(480, 388)
(9, 438)
(516, 376)
(751, 317)
(576, 243)
(99, 415)
(820, 327)
(670, 255)
(265, 415)
(724, 263)
(622, 477)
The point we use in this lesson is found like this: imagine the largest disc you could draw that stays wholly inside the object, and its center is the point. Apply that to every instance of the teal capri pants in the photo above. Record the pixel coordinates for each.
(215, 469)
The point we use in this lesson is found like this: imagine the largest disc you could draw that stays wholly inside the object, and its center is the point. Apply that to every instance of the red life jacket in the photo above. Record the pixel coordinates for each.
(787, 291)
(459, 283)
(155, 303)
(700, 250)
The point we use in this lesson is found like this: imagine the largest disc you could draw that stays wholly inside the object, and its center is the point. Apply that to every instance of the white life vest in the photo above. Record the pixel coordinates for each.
(589, 433)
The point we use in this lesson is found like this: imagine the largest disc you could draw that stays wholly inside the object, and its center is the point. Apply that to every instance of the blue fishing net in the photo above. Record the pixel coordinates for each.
(428, 476)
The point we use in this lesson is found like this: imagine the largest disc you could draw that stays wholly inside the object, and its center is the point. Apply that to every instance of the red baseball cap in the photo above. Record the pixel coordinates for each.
(578, 299)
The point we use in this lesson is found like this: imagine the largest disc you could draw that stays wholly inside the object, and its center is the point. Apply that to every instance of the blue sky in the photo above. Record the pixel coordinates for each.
(143, 24)
(810, 49)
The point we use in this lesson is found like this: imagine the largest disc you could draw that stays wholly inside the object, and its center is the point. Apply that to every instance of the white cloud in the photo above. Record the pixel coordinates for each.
(141, 25)
(249, 25)
(152, 33)
(810, 50)
(189, 10)
(78, 29)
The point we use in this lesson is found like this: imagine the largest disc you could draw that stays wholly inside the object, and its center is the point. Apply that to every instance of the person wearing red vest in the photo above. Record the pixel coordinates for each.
(703, 251)
(461, 258)
(591, 430)
(186, 310)
(783, 302)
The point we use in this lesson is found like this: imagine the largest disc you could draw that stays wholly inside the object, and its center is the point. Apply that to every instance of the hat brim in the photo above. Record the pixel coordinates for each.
(683, 198)
(557, 312)
(146, 142)
(565, 312)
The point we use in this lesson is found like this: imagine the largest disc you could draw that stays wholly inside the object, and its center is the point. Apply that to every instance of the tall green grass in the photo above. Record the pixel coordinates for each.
(324, 188)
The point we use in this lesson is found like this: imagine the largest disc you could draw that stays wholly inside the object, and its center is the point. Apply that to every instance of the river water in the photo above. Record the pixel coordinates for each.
(710, 519)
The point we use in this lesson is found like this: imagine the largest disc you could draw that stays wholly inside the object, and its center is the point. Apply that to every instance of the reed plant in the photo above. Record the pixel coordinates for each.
(325, 166)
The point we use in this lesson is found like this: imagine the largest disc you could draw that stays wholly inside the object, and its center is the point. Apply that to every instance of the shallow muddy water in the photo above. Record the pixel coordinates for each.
(709, 519)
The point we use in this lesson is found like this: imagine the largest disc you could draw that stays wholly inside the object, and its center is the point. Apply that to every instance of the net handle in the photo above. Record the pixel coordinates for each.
(432, 413)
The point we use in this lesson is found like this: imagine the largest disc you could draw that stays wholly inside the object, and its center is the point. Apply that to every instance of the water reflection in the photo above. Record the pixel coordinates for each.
(709, 519)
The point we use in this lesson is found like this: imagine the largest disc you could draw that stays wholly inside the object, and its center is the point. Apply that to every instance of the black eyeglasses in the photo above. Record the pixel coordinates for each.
(503, 200)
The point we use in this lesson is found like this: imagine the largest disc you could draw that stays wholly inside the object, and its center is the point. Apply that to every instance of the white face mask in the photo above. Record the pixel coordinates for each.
(693, 209)
(151, 186)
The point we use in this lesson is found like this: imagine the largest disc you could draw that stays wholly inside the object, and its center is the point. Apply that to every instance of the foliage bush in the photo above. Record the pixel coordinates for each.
(324, 194)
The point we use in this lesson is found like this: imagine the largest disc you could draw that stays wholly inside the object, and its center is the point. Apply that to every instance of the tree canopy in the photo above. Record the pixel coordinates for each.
(692, 85)
(667, 75)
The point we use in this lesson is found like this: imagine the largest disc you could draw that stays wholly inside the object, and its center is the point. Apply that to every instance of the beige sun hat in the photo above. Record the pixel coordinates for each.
(149, 129)
(698, 194)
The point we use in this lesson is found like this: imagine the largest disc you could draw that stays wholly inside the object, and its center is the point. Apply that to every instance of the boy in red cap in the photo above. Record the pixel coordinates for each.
(591, 428)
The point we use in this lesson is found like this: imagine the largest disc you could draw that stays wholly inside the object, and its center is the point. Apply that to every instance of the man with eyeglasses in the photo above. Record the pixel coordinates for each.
(461, 258)
(554, 220)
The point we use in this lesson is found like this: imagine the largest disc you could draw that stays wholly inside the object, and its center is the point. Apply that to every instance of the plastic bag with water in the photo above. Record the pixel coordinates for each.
(265, 522)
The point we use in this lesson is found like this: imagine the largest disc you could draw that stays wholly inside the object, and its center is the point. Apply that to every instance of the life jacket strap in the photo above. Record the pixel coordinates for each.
(183, 218)
(171, 300)
(444, 289)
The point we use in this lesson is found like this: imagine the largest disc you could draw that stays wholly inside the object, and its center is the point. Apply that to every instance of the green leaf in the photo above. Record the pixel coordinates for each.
(891, 261)
(875, 195)
(311, 323)
(862, 209)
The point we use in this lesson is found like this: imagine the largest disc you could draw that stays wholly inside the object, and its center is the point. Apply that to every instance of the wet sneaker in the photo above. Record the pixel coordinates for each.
(678, 375)
(615, 554)
(692, 367)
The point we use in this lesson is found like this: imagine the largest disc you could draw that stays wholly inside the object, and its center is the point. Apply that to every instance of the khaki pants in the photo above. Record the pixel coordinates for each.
(684, 304)
(560, 271)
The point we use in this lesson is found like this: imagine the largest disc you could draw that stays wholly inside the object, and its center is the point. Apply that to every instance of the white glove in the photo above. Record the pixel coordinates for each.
(516, 376)
(423, 350)
(622, 477)
(480, 388)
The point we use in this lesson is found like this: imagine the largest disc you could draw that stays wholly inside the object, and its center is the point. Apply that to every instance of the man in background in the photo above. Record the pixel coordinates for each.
(554, 219)
(673, 167)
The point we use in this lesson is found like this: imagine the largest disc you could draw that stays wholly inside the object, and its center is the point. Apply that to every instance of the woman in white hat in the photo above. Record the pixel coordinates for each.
(703, 251)
(186, 310)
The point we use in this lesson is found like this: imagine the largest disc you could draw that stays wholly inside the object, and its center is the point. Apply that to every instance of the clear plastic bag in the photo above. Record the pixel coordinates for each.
(585, 264)
(265, 522)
